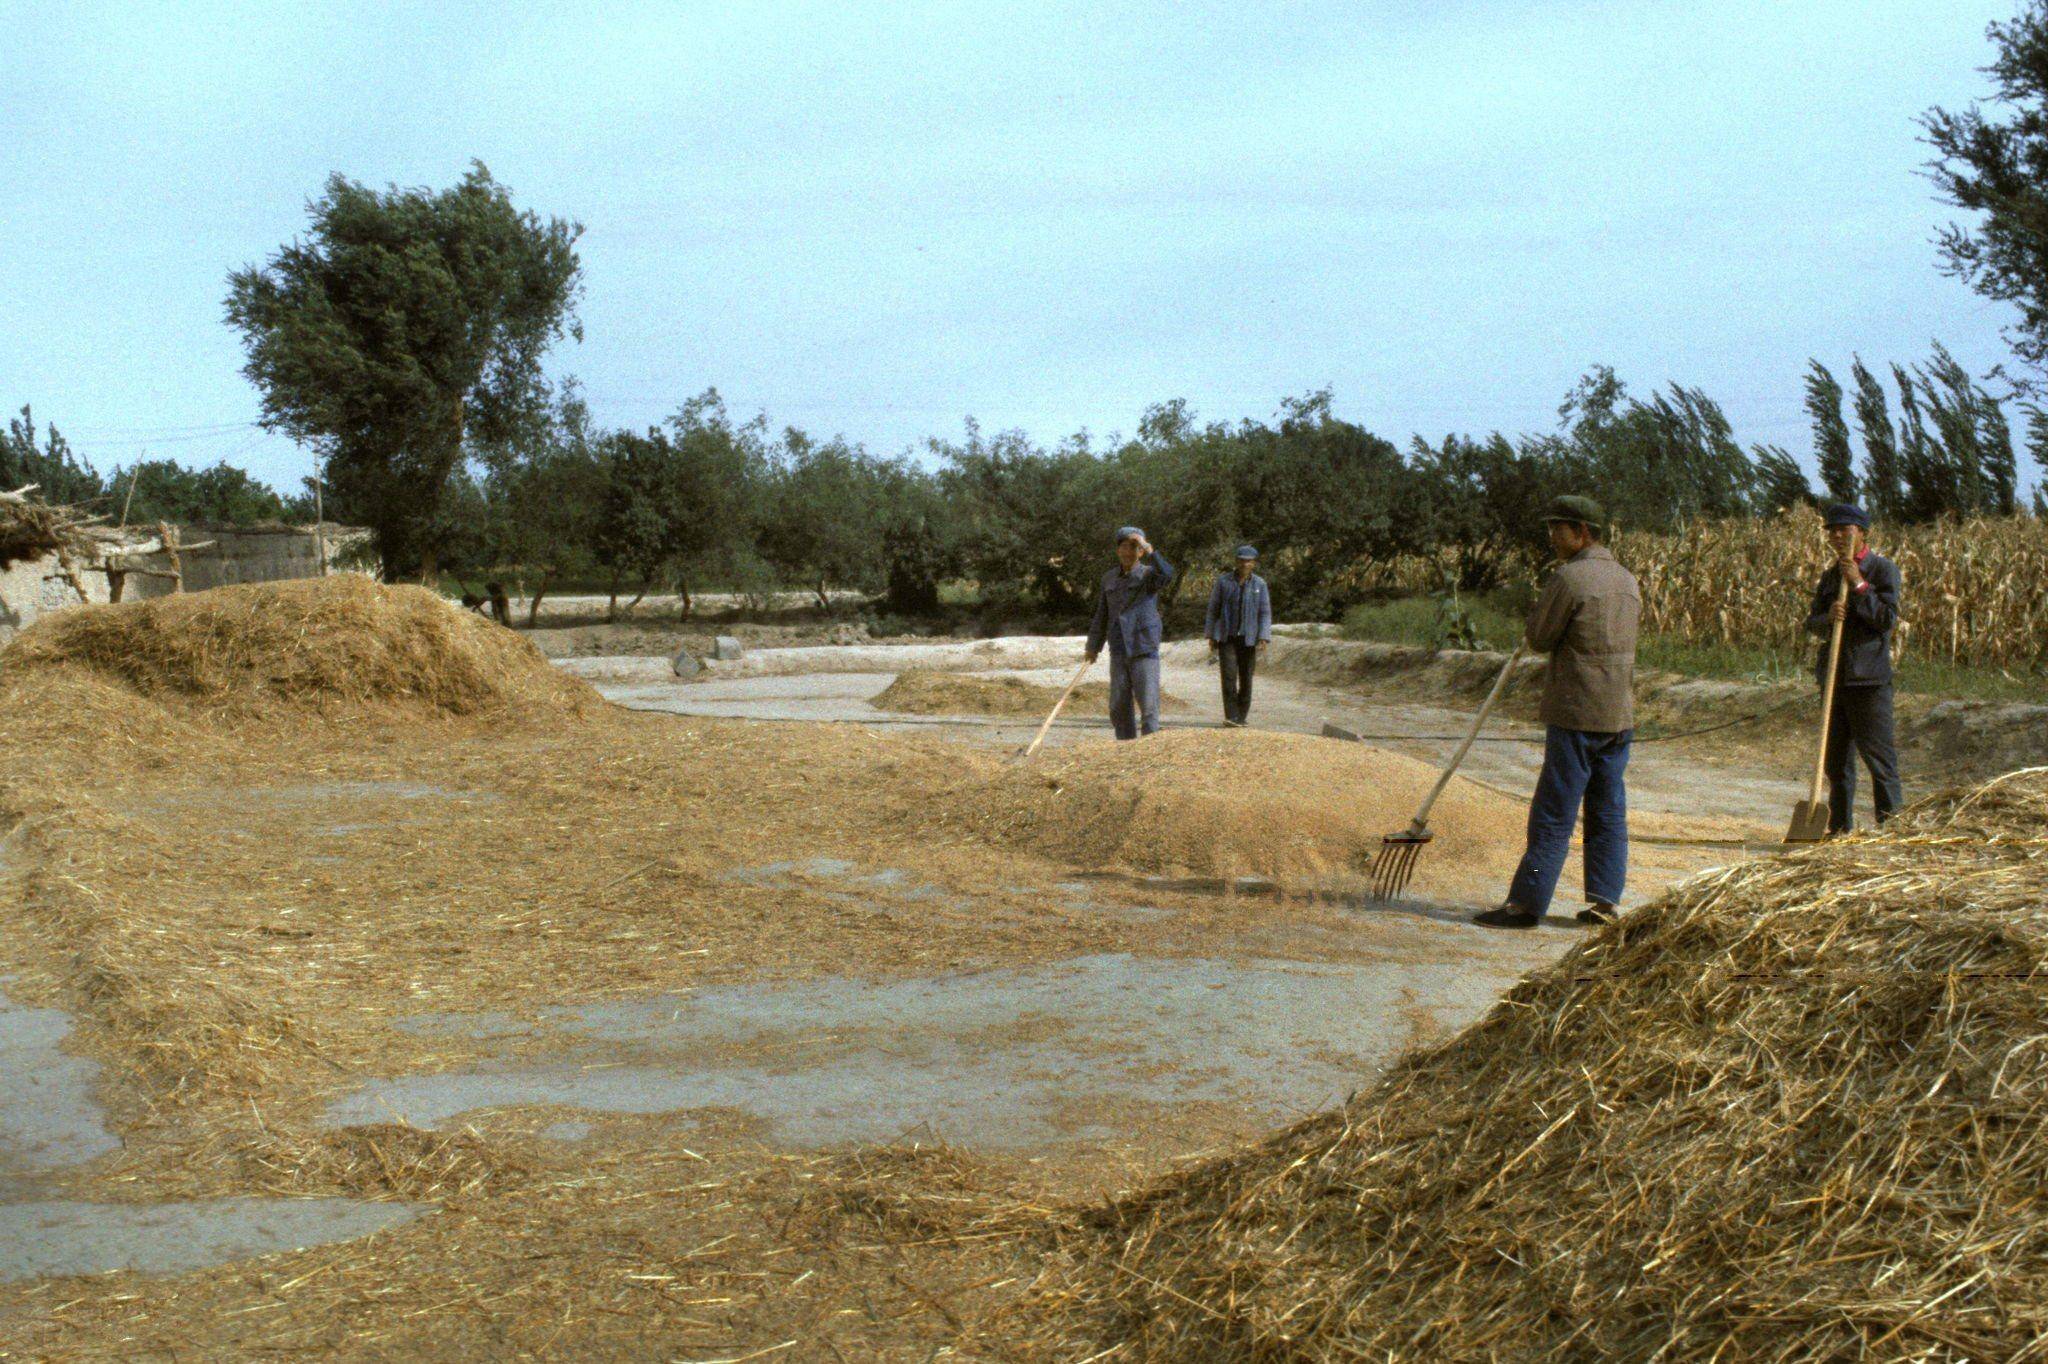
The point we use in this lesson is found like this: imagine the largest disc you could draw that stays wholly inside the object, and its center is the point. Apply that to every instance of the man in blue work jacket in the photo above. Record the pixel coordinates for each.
(1862, 715)
(1239, 624)
(1127, 617)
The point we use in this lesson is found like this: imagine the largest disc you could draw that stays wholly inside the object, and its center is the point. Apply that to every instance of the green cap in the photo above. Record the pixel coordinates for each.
(1574, 508)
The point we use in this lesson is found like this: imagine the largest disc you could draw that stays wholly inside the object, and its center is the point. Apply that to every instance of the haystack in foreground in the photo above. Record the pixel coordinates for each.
(1795, 1110)
(1233, 803)
(321, 643)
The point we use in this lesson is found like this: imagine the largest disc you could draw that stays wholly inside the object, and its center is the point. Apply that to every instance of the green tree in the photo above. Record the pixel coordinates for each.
(715, 496)
(58, 474)
(1830, 433)
(1880, 443)
(165, 490)
(402, 334)
(823, 528)
(1996, 168)
(1781, 483)
(546, 497)
(2001, 464)
(632, 538)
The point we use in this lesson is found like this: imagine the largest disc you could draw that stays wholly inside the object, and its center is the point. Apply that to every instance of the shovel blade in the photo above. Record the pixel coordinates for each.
(1809, 822)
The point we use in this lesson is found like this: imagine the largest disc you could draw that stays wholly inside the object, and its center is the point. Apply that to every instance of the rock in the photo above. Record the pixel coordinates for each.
(727, 648)
(686, 664)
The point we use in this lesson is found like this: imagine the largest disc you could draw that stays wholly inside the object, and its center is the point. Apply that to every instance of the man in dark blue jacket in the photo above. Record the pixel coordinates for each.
(1239, 624)
(1127, 618)
(1863, 683)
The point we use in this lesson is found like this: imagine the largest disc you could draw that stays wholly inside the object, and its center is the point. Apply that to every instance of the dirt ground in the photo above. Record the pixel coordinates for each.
(687, 1034)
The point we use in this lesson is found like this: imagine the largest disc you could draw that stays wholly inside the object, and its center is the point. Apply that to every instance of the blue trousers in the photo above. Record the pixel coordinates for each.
(1133, 682)
(1578, 767)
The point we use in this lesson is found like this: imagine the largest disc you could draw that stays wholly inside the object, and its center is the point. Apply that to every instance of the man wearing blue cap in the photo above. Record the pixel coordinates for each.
(1862, 712)
(1127, 618)
(1239, 624)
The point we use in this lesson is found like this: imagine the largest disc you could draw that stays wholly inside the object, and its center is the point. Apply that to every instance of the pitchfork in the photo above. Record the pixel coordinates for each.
(1395, 864)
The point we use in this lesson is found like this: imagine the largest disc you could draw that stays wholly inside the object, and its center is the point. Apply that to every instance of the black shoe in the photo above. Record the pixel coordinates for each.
(1507, 916)
(1597, 913)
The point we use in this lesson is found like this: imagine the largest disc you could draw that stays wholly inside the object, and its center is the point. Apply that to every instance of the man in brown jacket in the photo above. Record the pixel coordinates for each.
(1585, 620)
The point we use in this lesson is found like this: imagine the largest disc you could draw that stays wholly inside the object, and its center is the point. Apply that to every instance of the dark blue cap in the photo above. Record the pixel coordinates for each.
(1124, 533)
(1247, 552)
(1847, 514)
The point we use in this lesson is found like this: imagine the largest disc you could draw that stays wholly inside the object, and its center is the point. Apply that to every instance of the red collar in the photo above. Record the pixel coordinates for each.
(1861, 555)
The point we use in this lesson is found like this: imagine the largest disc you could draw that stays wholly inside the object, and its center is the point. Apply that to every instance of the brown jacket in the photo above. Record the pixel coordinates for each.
(1585, 620)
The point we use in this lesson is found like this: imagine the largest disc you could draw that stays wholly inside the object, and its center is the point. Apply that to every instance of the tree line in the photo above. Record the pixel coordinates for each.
(706, 501)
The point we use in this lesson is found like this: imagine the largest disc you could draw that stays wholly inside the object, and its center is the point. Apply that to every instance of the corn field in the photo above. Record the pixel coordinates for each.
(1975, 592)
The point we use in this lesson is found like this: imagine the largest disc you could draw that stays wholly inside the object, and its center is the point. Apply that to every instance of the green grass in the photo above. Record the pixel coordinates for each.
(1497, 617)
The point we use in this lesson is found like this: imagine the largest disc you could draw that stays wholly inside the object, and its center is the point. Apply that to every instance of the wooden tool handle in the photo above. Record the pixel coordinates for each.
(1054, 713)
(1827, 694)
(1485, 708)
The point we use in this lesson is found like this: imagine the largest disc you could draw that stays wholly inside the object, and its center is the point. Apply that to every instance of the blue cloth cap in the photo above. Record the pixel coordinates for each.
(1128, 533)
(1847, 514)
(1247, 552)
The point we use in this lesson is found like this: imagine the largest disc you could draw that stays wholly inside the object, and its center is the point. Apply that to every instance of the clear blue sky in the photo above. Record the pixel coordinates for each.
(876, 220)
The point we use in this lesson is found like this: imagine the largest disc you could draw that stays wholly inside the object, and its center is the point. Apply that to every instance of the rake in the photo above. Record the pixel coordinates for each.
(1393, 867)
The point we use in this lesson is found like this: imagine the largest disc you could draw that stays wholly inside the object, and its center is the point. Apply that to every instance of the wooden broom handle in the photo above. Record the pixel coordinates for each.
(1054, 713)
(1485, 708)
(1827, 695)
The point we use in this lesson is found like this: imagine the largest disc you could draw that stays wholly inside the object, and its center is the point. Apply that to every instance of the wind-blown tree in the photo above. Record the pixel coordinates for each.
(1919, 457)
(1996, 168)
(1955, 404)
(1780, 482)
(402, 334)
(1880, 443)
(1830, 433)
(2001, 463)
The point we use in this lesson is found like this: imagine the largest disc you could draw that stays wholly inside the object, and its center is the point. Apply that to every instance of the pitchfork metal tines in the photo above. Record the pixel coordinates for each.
(1394, 865)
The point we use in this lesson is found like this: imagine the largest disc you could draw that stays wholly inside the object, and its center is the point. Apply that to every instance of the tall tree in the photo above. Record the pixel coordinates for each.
(1996, 168)
(1919, 457)
(404, 333)
(1780, 482)
(1830, 433)
(1957, 485)
(1880, 443)
(2001, 464)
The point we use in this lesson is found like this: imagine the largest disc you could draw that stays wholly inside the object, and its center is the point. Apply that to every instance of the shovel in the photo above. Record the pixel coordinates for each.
(1395, 864)
(1810, 816)
(1054, 714)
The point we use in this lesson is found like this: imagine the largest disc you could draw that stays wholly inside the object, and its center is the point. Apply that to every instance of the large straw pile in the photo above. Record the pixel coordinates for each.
(921, 691)
(324, 643)
(1233, 803)
(1794, 1110)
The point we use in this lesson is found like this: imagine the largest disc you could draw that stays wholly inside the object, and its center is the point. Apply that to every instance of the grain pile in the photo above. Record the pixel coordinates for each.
(1240, 802)
(1794, 1110)
(921, 691)
(321, 643)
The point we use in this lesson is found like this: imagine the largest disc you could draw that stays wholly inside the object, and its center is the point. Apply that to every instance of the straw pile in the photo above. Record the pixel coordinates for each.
(921, 691)
(1234, 803)
(321, 643)
(1794, 1110)
(31, 528)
